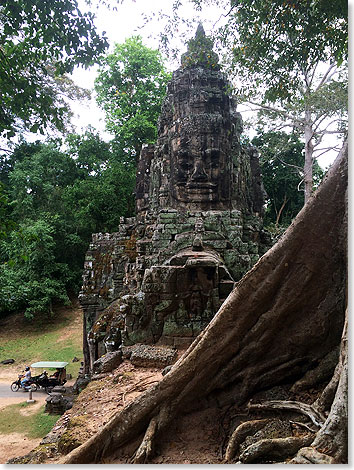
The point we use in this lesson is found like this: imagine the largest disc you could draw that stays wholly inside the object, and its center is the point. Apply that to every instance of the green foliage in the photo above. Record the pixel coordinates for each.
(104, 190)
(57, 198)
(30, 277)
(36, 183)
(32, 425)
(6, 223)
(278, 42)
(130, 88)
(41, 41)
(282, 160)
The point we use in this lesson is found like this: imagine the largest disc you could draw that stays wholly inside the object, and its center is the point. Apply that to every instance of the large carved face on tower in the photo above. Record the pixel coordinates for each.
(199, 170)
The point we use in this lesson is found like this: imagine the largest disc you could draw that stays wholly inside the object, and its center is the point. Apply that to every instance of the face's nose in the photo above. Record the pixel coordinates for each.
(199, 172)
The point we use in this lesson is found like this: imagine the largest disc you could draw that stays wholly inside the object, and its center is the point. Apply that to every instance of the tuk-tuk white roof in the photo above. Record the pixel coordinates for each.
(49, 364)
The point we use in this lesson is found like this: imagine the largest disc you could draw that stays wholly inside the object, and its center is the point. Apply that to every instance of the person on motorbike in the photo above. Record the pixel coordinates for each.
(27, 377)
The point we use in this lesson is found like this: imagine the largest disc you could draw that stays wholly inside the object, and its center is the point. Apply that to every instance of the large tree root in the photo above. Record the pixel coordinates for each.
(156, 426)
(239, 435)
(316, 417)
(309, 455)
(274, 449)
(320, 374)
(284, 315)
(146, 448)
(332, 438)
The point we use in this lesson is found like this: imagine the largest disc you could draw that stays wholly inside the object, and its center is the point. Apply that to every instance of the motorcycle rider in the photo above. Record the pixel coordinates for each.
(27, 377)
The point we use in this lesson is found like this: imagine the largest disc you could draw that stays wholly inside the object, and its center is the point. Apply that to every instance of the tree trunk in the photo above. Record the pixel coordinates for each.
(283, 317)
(308, 164)
(280, 211)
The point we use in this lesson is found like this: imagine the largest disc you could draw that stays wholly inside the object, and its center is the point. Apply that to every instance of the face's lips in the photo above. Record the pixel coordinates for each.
(200, 186)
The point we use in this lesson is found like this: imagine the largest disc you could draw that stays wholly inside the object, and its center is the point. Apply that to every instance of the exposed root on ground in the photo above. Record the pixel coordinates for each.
(274, 449)
(316, 417)
(239, 435)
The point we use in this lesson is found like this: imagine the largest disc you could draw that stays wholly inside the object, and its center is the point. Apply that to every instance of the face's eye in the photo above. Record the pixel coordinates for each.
(212, 157)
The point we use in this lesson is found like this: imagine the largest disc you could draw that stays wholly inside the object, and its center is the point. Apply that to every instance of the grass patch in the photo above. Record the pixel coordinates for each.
(34, 426)
(51, 341)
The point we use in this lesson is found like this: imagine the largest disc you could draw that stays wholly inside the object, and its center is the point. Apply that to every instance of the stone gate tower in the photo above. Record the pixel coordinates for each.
(199, 204)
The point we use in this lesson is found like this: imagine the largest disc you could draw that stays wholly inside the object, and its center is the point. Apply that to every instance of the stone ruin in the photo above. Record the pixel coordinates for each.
(164, 274)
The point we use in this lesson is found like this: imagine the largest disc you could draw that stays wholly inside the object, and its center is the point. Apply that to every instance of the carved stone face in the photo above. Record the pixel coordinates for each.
(198, 171)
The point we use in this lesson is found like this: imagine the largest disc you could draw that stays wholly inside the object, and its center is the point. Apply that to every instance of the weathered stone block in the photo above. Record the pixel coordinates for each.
(243, 248)
(143, 355)
(167, 217)
(252, 248)
(217, 244)
(175, 330)
(213, 236)
(108, 362)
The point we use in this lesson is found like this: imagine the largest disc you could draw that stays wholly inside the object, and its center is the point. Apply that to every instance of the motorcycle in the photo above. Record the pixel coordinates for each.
(30, 385)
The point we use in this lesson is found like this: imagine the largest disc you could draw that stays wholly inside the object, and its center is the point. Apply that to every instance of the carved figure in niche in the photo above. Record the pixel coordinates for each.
(198, 170)
(195, 303)
(202, 283)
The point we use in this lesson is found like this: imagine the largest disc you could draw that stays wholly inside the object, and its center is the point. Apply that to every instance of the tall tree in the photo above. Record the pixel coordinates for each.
(40, 42)
(51, 201)
(130, 88)
(294, 52)
(31, 276)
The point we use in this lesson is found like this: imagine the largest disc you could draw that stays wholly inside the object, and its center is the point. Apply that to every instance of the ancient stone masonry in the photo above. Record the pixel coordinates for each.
(199, 198)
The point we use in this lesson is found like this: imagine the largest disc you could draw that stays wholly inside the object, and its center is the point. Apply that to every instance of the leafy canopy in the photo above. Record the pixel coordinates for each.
(130, 86)
(40, 41)
(278, 42)
(51, 201)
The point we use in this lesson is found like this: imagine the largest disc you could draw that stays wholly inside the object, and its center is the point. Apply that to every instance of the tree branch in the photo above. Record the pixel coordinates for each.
(321, 117)
(320, 134)
(326, 76)
(293, 119)
(313, 73)
(298, 168)
(316, 417)
(328, 149)
(225, 15)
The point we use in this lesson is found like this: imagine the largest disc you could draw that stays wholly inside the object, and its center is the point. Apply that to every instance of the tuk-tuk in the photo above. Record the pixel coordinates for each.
(48, 381)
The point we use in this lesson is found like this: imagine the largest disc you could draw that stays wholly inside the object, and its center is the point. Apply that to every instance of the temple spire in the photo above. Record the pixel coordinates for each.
(200, 33)
(200, 51)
